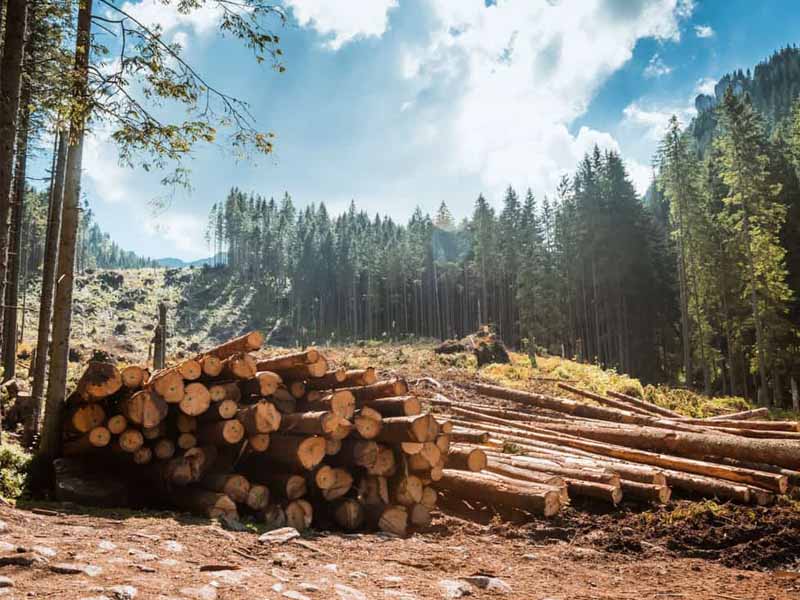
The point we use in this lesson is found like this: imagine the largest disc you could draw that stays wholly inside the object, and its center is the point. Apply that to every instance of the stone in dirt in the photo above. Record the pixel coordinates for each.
(122, 592)
(75, 569)
(206, 592)
(292, 595)
(492, 584)
(345, 592)
(23, 559)
(6, 582)
(44, 551)
(452, 588)
(3, 526)
(279, 536)
(284, 559)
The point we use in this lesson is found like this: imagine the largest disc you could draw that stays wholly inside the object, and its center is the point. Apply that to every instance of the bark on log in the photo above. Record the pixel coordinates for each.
(399, 406)
(544, 501)
(340, 378)
(466, 435)
(380, 389)
(420, 428)
(463, 458)
(249, 342)
(755, 413)
(606, 401)
(340, 402)
(296, 451)
(708, 487)
(649, 492)
(287, 361)
(659, 410)
(642, 439)
(316, 423)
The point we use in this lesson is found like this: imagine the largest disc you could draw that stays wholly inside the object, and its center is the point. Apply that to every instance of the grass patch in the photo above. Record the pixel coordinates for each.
(14, 471)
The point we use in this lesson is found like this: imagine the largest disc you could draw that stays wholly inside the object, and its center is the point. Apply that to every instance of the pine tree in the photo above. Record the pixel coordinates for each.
(755, 218)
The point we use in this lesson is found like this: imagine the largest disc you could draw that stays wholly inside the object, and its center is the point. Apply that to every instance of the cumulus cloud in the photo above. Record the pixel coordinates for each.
(519, 72)
(706, 86)
(169, 18)
(183, 231)
(653, 120)
(342, 22)
(109, 179)
(656, 67)
(703, 31)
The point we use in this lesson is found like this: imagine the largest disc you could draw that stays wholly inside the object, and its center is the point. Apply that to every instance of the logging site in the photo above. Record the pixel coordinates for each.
(399, 299)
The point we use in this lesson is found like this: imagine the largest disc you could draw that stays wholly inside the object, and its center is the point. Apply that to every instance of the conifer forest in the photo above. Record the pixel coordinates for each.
(697, 283)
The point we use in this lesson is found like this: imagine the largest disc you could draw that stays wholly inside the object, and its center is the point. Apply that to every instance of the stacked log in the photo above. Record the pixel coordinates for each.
(624, 449)
(289, 439)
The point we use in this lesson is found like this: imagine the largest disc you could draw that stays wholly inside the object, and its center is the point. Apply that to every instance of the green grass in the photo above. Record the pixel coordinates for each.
(14, 470)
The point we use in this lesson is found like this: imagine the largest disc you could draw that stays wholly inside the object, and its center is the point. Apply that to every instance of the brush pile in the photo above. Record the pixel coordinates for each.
(616, 448)
(284, 438)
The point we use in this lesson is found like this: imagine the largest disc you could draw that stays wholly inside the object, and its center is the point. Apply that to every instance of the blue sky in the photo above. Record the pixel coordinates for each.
(398, 103)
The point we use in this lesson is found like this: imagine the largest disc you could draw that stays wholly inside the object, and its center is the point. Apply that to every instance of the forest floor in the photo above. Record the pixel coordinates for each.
(686, 549)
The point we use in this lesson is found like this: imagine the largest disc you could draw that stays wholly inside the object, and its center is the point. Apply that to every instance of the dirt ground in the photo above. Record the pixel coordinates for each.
(685, 550)
(168, 556)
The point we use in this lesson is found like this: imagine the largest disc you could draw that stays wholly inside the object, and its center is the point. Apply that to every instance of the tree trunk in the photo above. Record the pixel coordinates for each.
(15, 236)
(62, 315)
(11, 69)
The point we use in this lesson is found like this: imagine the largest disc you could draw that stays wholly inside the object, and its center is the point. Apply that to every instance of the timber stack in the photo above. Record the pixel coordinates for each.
(285, 438)
(292, 440)
(619, 447)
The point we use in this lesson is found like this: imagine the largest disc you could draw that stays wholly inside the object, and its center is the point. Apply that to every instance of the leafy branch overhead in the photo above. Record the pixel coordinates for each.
(139, 81)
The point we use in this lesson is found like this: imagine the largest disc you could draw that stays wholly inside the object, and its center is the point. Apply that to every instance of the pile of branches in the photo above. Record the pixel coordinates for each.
(286, 439)
(613, 448)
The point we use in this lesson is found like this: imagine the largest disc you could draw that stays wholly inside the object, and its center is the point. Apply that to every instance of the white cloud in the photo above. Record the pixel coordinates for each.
(656, 67)
(342, 22)
(706, 86)
(166, 15)
(110, 180)
(184, 231)
(703, 31)
(507, 81)
(653, 120)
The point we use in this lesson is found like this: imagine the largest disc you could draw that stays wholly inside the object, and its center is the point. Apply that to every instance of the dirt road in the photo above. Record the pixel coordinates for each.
(168, 556)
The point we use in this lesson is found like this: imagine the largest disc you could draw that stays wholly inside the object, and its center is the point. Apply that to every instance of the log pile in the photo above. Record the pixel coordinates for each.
(620, 448)
(287, 439)
(291, 440)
